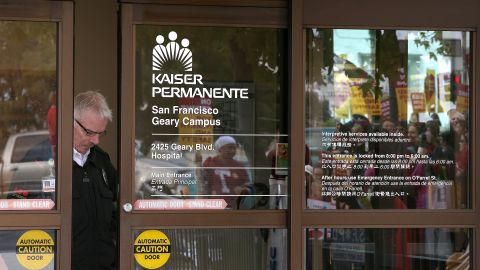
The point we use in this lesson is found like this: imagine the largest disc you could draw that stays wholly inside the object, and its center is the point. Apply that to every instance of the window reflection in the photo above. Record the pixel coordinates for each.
(15, 246)
(387, 117)
(28, 88)
(420, 248)
(221, 248)
(211, 130)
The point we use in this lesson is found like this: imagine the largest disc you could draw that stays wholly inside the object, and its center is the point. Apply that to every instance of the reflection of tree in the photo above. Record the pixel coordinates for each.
(319, 69)
(389, 58)
(427, 39)
(27, 74)
(318, 111)
(389, 55)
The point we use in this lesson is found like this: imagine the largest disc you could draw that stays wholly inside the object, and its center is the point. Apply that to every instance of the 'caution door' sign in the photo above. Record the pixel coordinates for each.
(152, 249)
(35, 249)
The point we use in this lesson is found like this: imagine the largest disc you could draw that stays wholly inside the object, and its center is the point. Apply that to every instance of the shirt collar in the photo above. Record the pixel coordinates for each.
(80, 158)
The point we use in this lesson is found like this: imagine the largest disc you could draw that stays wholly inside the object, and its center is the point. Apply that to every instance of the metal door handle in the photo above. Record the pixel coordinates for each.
(127, 207)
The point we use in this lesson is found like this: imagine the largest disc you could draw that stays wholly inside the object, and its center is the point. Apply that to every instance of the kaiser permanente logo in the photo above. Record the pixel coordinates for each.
(186, 84)
(172, 52)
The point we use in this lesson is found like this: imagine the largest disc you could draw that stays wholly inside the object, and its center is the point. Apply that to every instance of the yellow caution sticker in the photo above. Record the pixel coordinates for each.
(35, 249)
(152, 249)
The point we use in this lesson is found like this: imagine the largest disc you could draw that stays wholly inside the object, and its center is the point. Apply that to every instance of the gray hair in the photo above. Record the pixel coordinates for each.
(91, 101)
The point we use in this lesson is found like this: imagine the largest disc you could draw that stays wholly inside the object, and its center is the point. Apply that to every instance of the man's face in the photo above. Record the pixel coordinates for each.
(429, 135)
(455, 117)
(412, 133)
(228, 151)
(317, 173)
(316, 190)
(388, 126)
(90, 121)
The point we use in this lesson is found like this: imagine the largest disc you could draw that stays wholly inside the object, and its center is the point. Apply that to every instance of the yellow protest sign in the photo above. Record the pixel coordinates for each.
(402, 100)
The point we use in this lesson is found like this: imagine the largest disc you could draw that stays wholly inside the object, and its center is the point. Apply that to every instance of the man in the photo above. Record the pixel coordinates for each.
(226, 176)
(413, 136)
(94, 187)
(388, 126)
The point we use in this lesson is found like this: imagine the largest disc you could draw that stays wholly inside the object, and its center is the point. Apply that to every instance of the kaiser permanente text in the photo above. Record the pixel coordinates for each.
(180, 90)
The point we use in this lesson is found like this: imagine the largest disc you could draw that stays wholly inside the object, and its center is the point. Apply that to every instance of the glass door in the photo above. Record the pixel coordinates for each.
(36, 86)
(204, 157)
(389, 122)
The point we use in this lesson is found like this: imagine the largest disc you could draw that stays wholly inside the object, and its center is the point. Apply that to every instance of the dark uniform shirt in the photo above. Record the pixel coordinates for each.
(93, 218)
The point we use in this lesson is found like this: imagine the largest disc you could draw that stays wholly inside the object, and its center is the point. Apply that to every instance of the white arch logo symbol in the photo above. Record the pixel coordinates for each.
(172, 51)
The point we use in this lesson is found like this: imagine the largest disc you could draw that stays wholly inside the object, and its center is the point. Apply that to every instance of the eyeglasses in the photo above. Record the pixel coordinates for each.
(91, 133)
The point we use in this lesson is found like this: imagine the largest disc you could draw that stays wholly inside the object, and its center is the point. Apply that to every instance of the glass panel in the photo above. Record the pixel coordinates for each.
(211, 118)
(362, 249)
(211, 249)
(27, 249)
(28, 89)
(387, 119)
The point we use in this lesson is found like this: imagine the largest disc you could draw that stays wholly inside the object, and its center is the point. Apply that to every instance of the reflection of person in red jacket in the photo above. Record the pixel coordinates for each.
(224, 175)
(52, 122)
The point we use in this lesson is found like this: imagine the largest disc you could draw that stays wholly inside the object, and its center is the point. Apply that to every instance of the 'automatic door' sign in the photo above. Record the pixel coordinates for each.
(152, 249)
(35, 249)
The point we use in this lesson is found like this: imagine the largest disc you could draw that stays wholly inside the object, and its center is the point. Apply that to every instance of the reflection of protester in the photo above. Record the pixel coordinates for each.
(225, 175)
(345, 202)
(316, 191)
(315, 197)
(388, 126)
(430, 136)
(443, 154)
(421, 191)
(439, 240)
(412, 135)
(401, 129)
(282, 151)
(52, 123)
(436, 118)
(461, 171)
(396, 201)
(413, 118)
(339, 128)
(94, 187)
(454, 130)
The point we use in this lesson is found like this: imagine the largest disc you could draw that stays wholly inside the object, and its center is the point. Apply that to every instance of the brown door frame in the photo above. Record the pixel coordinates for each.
(60, 218)
(302, 14)
(377, 14)
(133, 14)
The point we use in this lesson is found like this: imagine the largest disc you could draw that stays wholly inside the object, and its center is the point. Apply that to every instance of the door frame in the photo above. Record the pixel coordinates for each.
(58, 219)
(296, 15)
(134, 14)
(377, 14)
